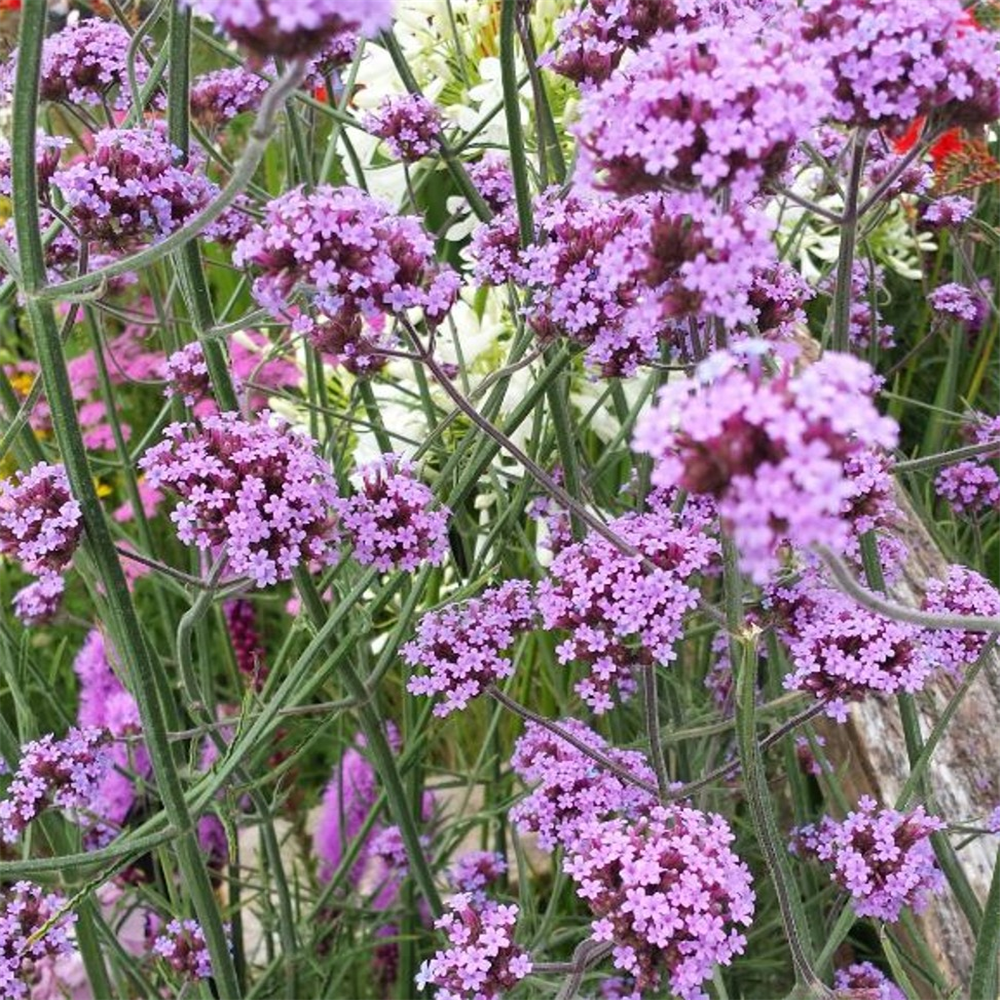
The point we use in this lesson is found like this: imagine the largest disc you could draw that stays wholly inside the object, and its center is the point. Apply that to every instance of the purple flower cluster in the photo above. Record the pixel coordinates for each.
(289, 30)
(842, 652)
(462, 646)
(706, 108)
(219, 96)
(34, 926)
(866, 326)
(256, 493)
(893, 61)
(475, 870)
(182, 946)
(493, 180)
(131, 186)
(38, 602)
(883, 858)
(950, 211)
(865, 979)
(871, 505)
(40, 522)
(621, 613)
(770, 450)
(351, 257)
(667, 891)
(408, 123)
(60, 774)
(777, 295)
(571, 790)
(973, 486)
(593, 39)
(958, 302)
(241, 620)
(481, 962)
(187, 374)
(389, 521)
(962, 592)
(83, 63)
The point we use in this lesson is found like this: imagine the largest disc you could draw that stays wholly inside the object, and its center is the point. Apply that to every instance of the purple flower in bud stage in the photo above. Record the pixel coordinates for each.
(866, 981)
(481, 962)
(722, 105)
(962, 592)
(256, 493)
(40, 522)
(593, 39)
(622, 615)
(949, 211)
(408, 123)
(241, 620)
(462, 645)
(182, 946)
(82, 64)
(492, 178)
(219, 96)
(475, 870)
(771, 449)
(290, 30)
(843, 652)
(351, 258)
(34, 926)
(970, 487)
(38, 603)
(893, 61)
(883, 858)
(667, 891)
(187, 374)
(572, 790)
(389, 520)
(130, 187)
(60, 774)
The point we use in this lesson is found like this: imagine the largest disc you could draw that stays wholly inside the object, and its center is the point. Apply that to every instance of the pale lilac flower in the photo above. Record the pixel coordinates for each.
(481, 961)
(865, 979)
(187, 374)
(38, 603)
(289, 30)
(770, 449)
(949, 211)
(962, 592)
(954, 301)
(25, 911)
(40, 521)
(668, 891)
(883, 858)
(571, 790)
(220, 95)
(257, 493)
(711, 107)
(493, 180)
(182, 946)
(408, 123)
(463, 646)
(866, 325)
(389, 519)
(475, 870)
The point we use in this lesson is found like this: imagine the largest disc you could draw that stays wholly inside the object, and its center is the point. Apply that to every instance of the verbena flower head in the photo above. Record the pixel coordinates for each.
(187, 374)
(288, 30)
(842, 652)
(25, 910)
(962, 592)
(955, 301)
(571, 790)
(350, 257)
(220, 95)
(893, 61)
(777, 295)
(592, 40)
(865, 979)
(716, 106)
(408, 123)
(40, 521)
(182, 946)
(949, 211)
(82, 64)
(871, 506)
(131, 186)
(475, 870)
(463, 645)
(770, 449)
(866, 326)
(60, 774)
(389, 519)
(38, 603)
(481, 961)
(256, 492)
(973, 487)
(883, 858)
(493, 180)
(620, 614)
(667, 891)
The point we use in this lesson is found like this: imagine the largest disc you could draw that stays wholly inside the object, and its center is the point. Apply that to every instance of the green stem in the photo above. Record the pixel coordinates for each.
(512, 112)
(848, 235)
(130, 639)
